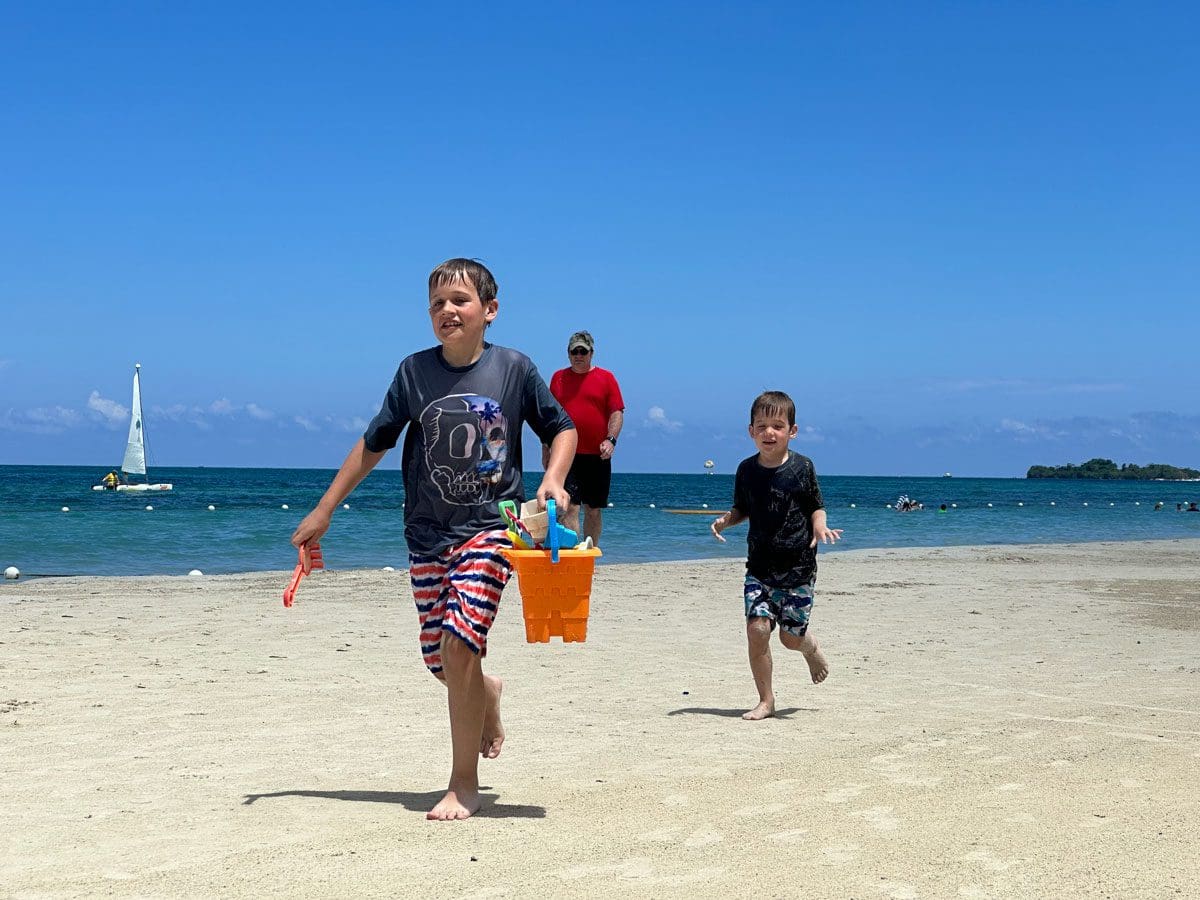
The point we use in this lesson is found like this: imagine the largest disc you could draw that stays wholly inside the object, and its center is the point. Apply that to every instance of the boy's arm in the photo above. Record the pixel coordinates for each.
(562, 452)
(734, 517)
(821, 531)
(359, 462)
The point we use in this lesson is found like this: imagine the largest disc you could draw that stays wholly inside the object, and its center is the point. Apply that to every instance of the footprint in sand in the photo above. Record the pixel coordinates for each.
(844, 794)
(703, 838)
(840, 855)
(792, 834)
(661, 836)
(758, 811)
(880, 817)
(988, 860)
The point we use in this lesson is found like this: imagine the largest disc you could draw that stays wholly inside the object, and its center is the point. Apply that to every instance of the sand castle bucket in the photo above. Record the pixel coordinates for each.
(555, 595)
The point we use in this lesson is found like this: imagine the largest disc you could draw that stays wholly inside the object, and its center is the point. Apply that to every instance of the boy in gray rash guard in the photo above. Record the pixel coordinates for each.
(463, 403)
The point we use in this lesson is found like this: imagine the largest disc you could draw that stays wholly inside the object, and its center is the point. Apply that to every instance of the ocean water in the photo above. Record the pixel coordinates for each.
(108, 533)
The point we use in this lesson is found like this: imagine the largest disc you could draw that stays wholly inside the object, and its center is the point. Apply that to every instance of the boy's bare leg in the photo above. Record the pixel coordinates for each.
(467, 700)
(493, 729)
(758, 638)
(818, 666)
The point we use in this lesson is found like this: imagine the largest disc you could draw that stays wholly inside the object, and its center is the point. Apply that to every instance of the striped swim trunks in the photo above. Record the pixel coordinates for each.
(458, 591)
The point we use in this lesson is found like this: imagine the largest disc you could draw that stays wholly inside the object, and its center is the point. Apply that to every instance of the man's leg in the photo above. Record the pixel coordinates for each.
(592, 524)
(467, 700)
(758, 638)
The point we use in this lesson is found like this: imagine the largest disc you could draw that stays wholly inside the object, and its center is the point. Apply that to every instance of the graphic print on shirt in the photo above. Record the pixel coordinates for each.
(466, 444)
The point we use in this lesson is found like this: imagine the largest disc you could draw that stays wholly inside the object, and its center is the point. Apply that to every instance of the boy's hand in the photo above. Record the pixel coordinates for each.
(550, 490)
(309, 532)
(825, 535)
(718, 526)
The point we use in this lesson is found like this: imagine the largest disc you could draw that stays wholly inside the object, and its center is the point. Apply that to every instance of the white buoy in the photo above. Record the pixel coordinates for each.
(989, 506)
(1085, 503)
(1051, 502)
(1112, 504)
(195, 572)
(889, 506)
(610, 506)
(285, 506)
(704, 505)
(1137, 502)
(954, 506)
(388, 569)
(149, 508)
(211, 507)
(12, 573)
(66, 509)
(1019, 503)
(852, 506)
(345, 506)
(652, 506)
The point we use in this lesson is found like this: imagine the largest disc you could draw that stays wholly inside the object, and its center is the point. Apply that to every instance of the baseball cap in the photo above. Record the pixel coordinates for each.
(581, 339)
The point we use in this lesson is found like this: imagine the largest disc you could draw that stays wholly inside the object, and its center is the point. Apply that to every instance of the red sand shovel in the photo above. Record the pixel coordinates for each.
(315, 562)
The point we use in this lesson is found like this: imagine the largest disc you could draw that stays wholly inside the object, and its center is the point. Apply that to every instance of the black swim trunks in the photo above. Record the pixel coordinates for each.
(589, 479)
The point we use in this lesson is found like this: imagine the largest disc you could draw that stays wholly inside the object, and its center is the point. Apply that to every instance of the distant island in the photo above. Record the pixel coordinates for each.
(1107, 470)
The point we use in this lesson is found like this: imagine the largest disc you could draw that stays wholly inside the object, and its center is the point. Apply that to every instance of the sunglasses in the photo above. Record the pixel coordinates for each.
(580, 351)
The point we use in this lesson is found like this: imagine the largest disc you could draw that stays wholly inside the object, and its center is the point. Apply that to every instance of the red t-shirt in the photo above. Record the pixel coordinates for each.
(589, 400)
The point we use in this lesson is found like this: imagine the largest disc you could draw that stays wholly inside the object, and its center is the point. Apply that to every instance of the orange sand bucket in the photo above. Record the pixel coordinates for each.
(555, 596)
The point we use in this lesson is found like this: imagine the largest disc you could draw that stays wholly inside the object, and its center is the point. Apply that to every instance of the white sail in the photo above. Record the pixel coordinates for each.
(135, 449)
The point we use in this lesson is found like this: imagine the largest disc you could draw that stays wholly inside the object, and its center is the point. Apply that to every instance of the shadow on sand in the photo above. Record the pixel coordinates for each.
(785, 713)
(417, 801)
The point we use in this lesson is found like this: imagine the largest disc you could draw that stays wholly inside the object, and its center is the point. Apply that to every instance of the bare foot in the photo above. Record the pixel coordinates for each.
(818, 666)
(493, 730)
(764, 710)
(459, 803)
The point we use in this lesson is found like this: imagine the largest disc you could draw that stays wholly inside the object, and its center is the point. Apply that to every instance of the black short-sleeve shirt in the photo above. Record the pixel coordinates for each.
(780, 503)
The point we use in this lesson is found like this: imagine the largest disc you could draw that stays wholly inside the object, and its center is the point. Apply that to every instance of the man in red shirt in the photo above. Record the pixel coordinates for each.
(592, 399)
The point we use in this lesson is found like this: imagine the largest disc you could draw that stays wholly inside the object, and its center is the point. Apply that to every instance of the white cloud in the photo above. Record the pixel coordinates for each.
(657, 418)
(257, 412)
(809, 435)
(305, 423)
(112, 411)
(43, 420)
(221, 407)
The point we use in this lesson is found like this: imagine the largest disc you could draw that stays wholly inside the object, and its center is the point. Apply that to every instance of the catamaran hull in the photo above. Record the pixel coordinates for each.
(135, 487)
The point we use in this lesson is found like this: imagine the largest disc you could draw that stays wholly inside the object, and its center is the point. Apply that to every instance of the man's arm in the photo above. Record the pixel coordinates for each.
(615, 420)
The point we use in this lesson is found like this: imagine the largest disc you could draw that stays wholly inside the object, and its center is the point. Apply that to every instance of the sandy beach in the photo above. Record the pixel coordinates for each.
(999, 721)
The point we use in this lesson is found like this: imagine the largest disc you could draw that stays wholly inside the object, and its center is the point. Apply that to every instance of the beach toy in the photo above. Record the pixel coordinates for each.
(534, 529)
(555, 585)
(314, 553)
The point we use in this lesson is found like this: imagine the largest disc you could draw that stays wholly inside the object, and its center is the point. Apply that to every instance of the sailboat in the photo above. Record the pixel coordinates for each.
(135, 448)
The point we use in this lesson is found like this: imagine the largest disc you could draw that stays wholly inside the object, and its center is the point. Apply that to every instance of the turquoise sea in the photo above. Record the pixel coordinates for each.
(107, 533)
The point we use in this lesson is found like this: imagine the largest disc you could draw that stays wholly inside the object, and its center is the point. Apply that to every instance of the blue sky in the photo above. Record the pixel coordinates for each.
(962, 236)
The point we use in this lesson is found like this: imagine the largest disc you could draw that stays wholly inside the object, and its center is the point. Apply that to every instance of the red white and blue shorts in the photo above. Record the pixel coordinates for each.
(458, 592)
